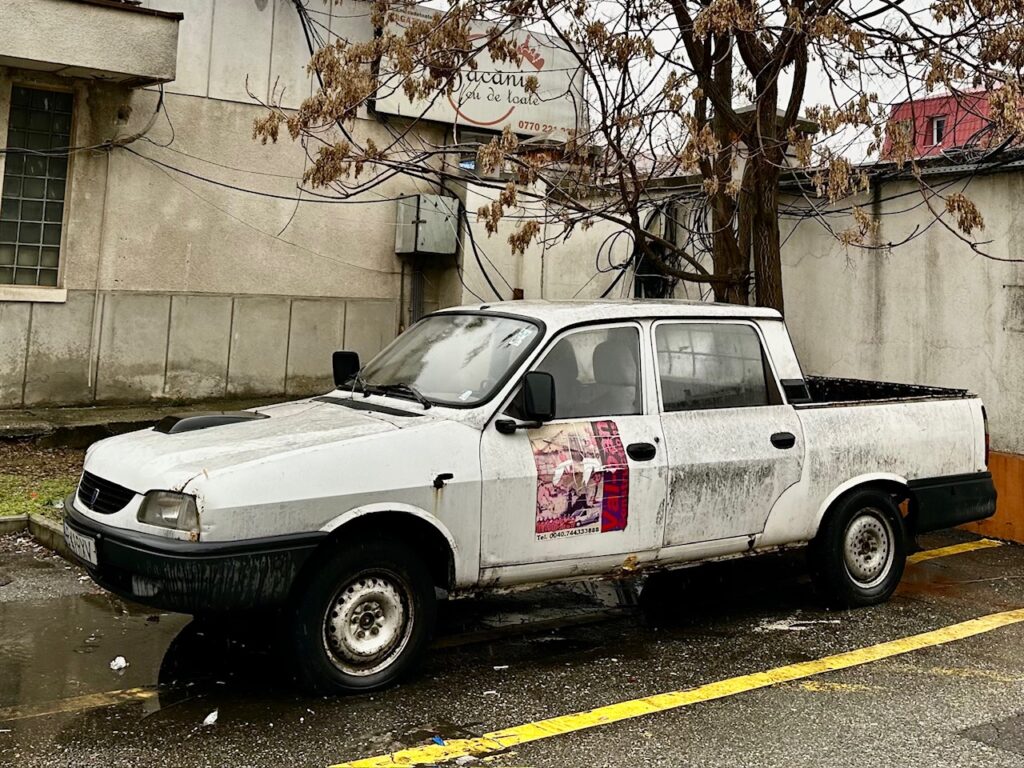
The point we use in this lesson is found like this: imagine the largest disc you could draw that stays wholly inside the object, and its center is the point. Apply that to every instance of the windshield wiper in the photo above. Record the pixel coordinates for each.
(358, 382)
(399, 386)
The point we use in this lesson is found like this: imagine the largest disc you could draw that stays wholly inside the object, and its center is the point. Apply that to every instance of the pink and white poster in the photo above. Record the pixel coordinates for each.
(582, 479)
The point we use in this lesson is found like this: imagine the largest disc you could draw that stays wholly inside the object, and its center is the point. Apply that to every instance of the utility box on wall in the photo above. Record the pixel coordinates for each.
(427, 225)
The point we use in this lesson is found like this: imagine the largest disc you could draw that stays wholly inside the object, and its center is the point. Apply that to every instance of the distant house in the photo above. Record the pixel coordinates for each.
(941, 123)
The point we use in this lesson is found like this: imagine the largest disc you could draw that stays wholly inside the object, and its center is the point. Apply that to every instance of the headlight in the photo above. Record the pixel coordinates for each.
(170, 510)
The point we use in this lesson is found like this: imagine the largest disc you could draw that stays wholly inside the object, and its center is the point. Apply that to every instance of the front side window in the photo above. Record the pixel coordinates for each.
(454, 359)
(711, 365)
(596, 373)
(35, 179)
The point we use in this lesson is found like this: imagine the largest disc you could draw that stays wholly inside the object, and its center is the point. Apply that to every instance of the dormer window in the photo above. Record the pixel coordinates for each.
(937, 126)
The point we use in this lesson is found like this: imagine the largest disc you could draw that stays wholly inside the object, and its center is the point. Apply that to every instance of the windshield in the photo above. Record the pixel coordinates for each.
(453, 359)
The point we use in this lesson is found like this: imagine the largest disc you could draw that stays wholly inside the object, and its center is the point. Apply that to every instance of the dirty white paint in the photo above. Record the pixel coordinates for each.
(716, 487)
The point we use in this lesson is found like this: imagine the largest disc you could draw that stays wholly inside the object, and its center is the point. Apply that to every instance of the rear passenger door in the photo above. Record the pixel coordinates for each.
(733, 443)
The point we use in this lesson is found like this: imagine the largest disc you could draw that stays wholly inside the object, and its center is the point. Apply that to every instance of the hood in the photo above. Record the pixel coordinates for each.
(150, 460)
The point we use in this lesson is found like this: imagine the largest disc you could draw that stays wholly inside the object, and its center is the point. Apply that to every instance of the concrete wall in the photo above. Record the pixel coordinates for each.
(229, 49)
(929, 311)
(173, 346)
(82, 40)
(560, 265)
(174, 284)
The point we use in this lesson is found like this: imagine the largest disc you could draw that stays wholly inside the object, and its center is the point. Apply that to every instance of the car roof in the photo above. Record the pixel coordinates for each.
(558, 314)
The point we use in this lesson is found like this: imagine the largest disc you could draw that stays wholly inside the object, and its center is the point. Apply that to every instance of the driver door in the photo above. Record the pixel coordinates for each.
(583, 492)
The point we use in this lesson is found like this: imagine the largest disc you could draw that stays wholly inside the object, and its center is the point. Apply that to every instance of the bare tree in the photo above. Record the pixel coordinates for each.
(734, 96)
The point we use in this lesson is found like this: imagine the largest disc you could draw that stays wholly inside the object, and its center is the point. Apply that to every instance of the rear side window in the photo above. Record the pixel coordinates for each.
(712, 365)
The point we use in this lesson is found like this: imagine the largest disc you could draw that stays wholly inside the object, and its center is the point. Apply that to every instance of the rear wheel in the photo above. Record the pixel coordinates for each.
(364, 618)
(860, 551)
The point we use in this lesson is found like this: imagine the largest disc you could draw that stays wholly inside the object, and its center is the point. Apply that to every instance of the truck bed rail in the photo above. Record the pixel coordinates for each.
(828, 390)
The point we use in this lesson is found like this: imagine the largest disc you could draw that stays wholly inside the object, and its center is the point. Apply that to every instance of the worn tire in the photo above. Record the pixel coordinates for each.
(374, 585)
(860, 551)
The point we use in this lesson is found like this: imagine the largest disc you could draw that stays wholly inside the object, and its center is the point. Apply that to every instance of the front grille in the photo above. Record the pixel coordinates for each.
(101, 495)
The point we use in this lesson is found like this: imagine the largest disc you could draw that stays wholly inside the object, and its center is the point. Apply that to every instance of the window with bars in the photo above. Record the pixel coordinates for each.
(35, 179)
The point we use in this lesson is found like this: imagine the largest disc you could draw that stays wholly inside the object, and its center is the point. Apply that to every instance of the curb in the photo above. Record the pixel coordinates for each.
(13, 524)
(47, 533)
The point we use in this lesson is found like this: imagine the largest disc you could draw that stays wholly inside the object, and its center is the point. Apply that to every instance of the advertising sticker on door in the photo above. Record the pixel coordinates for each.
(582, 479)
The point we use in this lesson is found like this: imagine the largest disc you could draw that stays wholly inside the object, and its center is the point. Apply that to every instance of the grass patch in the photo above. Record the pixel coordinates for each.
(33, 478)
(21, 495)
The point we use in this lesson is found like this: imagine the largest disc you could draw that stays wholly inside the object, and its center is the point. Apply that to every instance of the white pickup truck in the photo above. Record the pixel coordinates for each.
(517, 443)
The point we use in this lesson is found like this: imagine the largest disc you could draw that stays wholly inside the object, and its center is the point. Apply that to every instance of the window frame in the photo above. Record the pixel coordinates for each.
(776, 394)
(43, 293)
(933, 123)
(643, 362)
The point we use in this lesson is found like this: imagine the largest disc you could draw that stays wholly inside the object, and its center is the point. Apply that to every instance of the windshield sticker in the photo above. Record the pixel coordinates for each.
(582, 479)
(516, 339)
(466, 395)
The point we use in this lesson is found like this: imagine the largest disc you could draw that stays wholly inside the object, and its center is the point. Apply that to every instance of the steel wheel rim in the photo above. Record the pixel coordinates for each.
(868, 548)
(368, 622)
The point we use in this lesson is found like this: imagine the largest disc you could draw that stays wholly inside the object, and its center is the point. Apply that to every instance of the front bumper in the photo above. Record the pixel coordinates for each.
(193, 577)
(946, 502)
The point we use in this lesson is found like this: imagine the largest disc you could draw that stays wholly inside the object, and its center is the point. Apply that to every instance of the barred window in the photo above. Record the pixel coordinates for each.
(35, 179)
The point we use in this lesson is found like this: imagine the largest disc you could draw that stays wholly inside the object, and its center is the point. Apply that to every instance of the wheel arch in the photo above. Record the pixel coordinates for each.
(892, 484)
(423, 531)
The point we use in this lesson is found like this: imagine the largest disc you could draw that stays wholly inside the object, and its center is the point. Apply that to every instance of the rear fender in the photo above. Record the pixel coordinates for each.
(873, 478)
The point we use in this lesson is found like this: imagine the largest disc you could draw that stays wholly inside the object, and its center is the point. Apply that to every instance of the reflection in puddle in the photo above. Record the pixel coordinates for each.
(60, 648)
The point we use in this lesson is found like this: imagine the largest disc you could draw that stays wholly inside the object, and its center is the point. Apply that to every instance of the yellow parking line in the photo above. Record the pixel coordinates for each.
(955, 549)
(76, 704)
(625, 710)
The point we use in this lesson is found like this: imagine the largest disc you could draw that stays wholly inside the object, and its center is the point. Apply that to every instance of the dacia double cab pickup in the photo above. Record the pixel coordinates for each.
(519, 443)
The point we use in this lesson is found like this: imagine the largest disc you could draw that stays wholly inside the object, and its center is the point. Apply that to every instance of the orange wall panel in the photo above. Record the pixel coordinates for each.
(1008, 521)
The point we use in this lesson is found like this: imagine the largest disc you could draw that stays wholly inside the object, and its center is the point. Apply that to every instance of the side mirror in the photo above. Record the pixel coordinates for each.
(346, 365)
(539, 396)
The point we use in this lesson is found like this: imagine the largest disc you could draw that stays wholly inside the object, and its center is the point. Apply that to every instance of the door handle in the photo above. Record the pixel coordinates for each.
(783, 440)
(641, 451)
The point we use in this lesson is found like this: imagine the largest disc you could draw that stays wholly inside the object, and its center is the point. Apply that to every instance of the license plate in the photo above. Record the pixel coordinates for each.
(83, 546)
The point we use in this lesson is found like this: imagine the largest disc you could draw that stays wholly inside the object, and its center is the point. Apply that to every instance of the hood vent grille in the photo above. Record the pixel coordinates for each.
(101, 495)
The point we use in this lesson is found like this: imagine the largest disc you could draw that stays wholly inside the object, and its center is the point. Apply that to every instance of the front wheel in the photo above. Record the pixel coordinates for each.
(364, 618)
(860, 552)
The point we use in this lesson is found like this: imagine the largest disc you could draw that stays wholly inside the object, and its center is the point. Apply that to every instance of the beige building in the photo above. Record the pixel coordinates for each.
(149, 248)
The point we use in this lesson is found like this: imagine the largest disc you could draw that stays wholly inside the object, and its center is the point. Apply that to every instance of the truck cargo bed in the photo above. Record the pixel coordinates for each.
(827, 390)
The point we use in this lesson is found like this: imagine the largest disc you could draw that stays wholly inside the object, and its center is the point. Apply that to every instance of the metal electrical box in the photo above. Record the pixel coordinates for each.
(427, 225)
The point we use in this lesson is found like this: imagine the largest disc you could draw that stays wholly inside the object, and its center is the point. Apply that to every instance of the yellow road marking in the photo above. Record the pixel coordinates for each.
(954, 549)
(625, 710)
(76, 704)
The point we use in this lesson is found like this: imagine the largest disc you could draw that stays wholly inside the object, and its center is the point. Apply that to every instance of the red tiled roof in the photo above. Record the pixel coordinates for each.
(965, 114)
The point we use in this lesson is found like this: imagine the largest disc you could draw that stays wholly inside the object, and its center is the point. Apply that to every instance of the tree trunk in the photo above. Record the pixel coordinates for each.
(763, 197)
(728, 259)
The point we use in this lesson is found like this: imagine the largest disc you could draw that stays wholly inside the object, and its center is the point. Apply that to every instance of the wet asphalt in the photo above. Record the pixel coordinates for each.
(517, 658)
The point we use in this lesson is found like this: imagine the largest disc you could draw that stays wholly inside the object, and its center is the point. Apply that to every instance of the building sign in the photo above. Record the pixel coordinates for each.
(494, 95)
